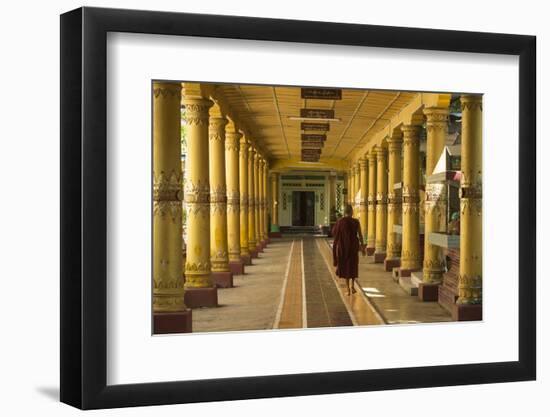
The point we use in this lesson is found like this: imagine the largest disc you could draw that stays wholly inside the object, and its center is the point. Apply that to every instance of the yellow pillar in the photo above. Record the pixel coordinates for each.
(232, 136)
(201, 291)
(251, 206)
(275, 202)
(371, 210)
(435, 203)
(219, 258)
(363, 202)
(170, 312)
(351, 183)
(410, 251)
(243, 206)
(265, 202)
(393, 244)
(261, 186)
(332, 197)
(470, 270)
(257, 208)
(381, 204)
(357, 190)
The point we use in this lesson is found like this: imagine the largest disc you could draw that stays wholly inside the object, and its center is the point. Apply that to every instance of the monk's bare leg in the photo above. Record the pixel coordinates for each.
(353, 286)
(347, 284)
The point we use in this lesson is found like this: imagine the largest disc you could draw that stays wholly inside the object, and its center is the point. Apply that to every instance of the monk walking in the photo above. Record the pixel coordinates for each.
(348, 241)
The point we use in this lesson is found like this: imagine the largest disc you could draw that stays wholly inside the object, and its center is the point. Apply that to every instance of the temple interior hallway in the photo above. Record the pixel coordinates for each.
(292, 285)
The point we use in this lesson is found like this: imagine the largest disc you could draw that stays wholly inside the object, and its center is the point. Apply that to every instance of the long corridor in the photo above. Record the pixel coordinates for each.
(292, 285)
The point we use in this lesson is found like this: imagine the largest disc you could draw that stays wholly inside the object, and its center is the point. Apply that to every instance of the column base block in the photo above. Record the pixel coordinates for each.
(237, 267)
(466, 312)
(246, 259)
(405, 272)
(408, 286)
(222, 279)
(428, 291)
(259, 248)
(379, 257)
(370, 251)
(275, 234)
(253, 254)
(390, 263)
(201, 297)
(178, 322)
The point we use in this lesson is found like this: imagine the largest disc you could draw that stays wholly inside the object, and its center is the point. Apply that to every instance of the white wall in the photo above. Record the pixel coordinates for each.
(30, 205)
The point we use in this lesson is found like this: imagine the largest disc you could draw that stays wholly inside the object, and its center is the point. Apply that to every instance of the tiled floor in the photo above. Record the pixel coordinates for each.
(391, 301)
(293, 284)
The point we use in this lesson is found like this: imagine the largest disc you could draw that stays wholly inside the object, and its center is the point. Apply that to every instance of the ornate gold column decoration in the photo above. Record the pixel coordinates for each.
(393, 245)
(410, 251)
(261, 187)
(371, 210)
(363, 202)
(201, 291)
(332, 197)
(351, 181)
(252, 243)
(232, 136)
(381, 204)
(275, 202)
(243, 206)
(266, 202)
(257, 203)
(357, 191)
(221, 276)
(434, 205)
(169, 310)
(470, 268)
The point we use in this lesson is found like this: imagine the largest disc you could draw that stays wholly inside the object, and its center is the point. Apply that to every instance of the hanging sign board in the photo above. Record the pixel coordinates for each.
(317, 113)
(322, 93)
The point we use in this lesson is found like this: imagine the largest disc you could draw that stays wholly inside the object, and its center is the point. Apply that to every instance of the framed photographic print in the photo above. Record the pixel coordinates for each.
(257, 208)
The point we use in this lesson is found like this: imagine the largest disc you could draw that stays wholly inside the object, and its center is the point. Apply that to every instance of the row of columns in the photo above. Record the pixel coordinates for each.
(381, 205)
(225, 198)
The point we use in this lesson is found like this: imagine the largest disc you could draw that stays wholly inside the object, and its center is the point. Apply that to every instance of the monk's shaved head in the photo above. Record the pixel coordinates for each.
(348, 210)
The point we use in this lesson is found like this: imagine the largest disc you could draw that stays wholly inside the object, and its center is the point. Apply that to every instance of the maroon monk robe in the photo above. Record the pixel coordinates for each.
(346, 247)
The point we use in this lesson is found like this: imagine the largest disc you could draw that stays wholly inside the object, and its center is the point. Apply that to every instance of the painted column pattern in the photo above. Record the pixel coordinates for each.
(266, 201)
(436, 194)
(371, 222)
(218, 195)
(275, 201)
(243, 206)
(470, 275)
(381, 204)
(168, 290)
(232, 137)
(197, 190)
(332, 197)
(410, 251)
(357, 191)
(395, 144)
(263, 235)
(363, 203)
(251, 205)
(257, 200)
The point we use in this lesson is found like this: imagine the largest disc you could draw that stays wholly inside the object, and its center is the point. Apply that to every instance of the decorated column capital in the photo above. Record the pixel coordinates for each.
(196, 110)
(436, 118)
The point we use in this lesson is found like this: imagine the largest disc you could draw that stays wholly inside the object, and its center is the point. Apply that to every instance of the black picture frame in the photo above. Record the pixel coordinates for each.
(84, 207)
